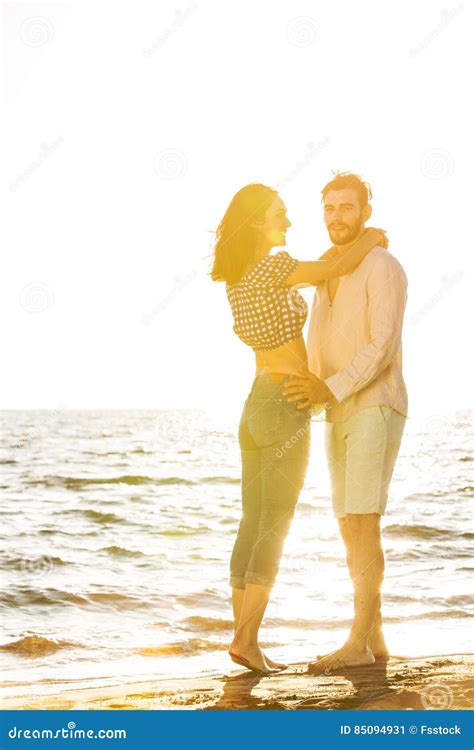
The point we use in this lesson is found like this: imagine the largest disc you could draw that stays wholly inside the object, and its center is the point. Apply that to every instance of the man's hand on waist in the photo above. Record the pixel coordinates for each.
(306, 389)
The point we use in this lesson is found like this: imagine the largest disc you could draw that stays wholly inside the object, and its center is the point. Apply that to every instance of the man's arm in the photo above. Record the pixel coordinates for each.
(387, 295)
(334, 264)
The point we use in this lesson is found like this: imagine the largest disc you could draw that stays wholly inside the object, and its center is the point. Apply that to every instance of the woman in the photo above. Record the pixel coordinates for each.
(274, 434)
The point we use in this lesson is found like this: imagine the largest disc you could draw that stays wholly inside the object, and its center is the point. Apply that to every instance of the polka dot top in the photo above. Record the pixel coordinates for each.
(267, 313)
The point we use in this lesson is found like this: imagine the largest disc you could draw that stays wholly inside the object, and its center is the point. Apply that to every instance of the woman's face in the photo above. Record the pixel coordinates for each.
(274, 225)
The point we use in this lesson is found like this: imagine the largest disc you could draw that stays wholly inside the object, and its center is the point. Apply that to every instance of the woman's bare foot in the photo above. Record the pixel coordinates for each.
(347, 656)
(377, 645)
(275, 664)
(250, 656)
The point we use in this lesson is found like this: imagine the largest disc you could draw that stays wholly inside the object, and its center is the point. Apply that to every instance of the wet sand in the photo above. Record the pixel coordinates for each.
(430, 682)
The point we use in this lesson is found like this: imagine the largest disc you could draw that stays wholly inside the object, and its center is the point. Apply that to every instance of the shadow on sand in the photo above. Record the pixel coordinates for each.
(349, 689)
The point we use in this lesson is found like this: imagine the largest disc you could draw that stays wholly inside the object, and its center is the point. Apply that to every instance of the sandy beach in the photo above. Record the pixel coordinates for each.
(437, 682)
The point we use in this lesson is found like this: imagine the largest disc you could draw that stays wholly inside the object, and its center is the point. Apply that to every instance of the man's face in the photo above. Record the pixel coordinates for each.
(344, 216)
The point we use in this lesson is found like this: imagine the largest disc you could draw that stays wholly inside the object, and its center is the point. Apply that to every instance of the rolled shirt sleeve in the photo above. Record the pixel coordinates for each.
(387, 296)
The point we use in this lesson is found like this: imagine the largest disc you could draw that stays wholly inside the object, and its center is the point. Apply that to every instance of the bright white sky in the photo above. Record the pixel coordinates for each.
(131, 125)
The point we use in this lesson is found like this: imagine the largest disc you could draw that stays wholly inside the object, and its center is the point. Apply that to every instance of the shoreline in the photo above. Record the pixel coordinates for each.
(429, 682)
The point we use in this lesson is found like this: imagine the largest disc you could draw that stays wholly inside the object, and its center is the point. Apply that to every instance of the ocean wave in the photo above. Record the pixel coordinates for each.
(75, 483)
(165, 481)
(193, 482)
(122, 551)
(220, 480)
(403, 555)
(37, 645)
(214, 625)
(54, 531)
(328, 624)
(29, 596)
(445, 614)
(205, 597)
(101, 454)
(190, 647)
(424, 532)
(195, 622)
(117, 600)
(461, 601)
(26, 596)
(183, 531)
(94, 515)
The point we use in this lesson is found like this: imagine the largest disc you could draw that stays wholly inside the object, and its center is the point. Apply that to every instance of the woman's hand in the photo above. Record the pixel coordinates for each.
(307, 388)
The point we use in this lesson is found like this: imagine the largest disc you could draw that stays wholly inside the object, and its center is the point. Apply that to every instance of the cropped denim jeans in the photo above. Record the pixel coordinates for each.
(274, 438)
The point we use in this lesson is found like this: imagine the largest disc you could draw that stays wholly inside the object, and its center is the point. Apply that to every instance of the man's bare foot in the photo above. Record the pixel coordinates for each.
(376, 644)
(347, 656)
(250, 656)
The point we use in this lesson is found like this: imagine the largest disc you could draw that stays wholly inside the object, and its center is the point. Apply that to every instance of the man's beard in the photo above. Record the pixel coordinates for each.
(346, 234)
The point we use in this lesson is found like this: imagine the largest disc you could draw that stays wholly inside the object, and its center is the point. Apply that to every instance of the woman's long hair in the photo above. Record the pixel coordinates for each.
(235, 250)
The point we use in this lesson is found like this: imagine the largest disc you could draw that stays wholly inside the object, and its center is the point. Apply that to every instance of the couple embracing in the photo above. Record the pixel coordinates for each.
(351, 364)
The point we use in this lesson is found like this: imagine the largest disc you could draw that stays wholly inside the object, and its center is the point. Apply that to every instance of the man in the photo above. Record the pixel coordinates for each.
(355, 364)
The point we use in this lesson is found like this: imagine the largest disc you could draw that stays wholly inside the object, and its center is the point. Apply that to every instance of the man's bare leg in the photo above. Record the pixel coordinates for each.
(376, 637)
(366, 563)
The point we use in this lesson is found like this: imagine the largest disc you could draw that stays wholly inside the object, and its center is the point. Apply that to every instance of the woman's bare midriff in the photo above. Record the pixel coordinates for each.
(289, 358)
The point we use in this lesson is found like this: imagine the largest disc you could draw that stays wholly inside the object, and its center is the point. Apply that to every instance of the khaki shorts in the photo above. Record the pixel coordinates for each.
(361, 454)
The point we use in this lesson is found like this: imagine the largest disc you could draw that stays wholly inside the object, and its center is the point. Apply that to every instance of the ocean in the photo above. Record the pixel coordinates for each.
(117, 528)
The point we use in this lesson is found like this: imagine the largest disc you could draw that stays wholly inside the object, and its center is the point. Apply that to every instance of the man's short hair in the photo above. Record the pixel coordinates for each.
(345, 180)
